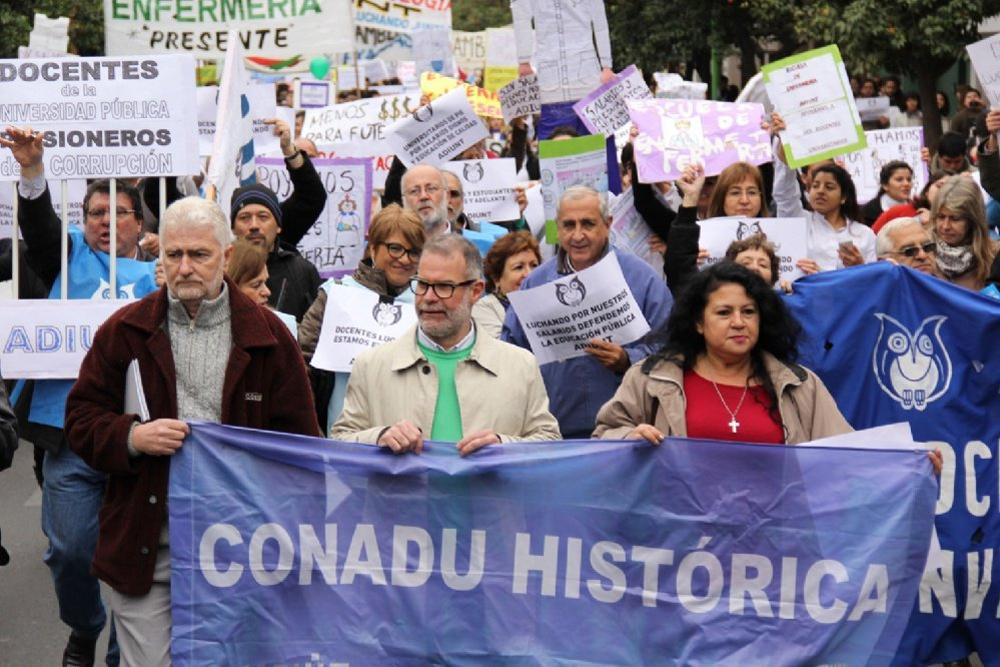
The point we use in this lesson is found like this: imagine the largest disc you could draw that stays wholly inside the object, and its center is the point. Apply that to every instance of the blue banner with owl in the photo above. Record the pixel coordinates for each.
(896, 345)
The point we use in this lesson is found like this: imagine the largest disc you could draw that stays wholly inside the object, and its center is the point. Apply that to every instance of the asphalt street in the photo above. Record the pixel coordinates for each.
(31, 633)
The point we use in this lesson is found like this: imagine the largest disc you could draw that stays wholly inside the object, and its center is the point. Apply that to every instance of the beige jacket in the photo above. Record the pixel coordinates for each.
(499, 388)
(807, 409)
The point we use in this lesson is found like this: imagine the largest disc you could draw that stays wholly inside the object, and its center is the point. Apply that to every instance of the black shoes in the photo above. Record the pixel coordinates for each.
(79, 651)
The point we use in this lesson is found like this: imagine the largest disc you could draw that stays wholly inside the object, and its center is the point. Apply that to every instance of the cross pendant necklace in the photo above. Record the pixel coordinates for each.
(733, 424)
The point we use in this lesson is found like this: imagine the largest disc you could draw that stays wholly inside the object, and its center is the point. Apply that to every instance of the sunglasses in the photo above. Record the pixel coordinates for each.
(913, 250)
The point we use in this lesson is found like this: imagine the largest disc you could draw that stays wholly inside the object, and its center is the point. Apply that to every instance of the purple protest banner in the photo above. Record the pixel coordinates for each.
(603, 110)
(676, 133)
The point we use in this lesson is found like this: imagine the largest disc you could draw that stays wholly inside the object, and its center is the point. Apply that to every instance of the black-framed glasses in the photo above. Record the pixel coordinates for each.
(911, 251)
(98, 213)
(442, 290)
(396, 251)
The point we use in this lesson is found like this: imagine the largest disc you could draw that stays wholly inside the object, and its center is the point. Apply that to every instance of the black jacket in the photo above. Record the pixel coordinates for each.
(292, 279)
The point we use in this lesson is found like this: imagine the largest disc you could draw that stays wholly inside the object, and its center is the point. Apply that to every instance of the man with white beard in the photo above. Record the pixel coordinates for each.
(425, 192)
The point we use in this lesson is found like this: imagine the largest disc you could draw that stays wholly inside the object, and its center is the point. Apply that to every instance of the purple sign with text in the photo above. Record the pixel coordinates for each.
(676, 133)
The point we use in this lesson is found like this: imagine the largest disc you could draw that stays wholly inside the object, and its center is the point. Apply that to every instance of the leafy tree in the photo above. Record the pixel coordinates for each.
(921, 38)
(476, 15)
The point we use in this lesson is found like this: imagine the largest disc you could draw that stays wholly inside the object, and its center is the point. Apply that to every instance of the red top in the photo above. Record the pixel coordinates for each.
(707, 418)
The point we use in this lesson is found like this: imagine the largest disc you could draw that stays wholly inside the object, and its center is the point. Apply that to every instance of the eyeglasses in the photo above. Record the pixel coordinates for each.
(415, 191)
(396, 251)
(98, 213)
(454, 193)
(912, 251)
(442, 290)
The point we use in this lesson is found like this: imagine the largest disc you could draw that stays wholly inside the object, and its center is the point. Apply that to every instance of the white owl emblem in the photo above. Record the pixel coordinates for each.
(104, 291)
(912, 368)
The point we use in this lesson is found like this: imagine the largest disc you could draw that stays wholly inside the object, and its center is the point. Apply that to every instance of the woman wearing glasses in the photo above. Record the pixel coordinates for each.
(395, 240)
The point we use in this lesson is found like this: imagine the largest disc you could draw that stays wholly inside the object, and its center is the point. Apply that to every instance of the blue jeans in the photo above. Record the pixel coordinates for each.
(71, 497)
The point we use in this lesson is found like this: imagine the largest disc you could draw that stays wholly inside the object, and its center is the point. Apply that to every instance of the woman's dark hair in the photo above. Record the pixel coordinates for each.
(912, 96)
(888, 169)
(564, 131)
(756, 242)
(946, 107)
(682, 344)
(849, 209)
(503, 248)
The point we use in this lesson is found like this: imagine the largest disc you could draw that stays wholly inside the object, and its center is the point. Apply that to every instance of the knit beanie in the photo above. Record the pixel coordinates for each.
(254, 194)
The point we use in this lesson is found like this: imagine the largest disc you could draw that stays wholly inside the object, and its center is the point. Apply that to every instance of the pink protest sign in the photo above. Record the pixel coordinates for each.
(675, 133)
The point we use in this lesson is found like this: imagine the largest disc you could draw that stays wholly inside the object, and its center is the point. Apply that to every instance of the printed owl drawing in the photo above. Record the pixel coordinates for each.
(913, 368)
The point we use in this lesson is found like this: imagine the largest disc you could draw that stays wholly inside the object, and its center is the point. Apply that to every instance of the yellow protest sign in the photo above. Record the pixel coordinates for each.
(495, 78)
(484, 102)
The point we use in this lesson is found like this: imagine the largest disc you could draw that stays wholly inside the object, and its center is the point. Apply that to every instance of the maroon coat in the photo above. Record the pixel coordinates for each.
(266, 387)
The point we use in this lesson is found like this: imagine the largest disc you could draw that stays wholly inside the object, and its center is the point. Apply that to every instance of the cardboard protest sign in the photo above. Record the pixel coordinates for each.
(676, 133)
(629, 232)
(577, 161)
(811, 92)
(104, 117)
(789, 236)
(76, 188)
(438, 131)
(336, 241)
(483, 102)
(884, 146)
(469, 49)
(262, 106)
(604, 110)
(520, 97)
(356, 320)
(358, 129)
(559, 318)
(280, 29)
(488, 186)
(985, 57)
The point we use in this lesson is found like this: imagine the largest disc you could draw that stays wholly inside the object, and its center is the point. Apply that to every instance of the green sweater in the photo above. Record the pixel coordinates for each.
(447, 425)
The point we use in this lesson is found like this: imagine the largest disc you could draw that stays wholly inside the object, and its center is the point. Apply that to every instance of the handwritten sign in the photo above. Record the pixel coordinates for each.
(559, 318)
(488, 187)
(483, 102)
(629, 232)
(872, 108)
(811, 92)
(884, 146)
(336, 242)
(262, 106)
(604, 110)
(520, 97)
(469, 49)
(577, 161)
(676, 133)
(789, 236)
(985, 57)
(358, 129)
(438, 131)
(355, 320)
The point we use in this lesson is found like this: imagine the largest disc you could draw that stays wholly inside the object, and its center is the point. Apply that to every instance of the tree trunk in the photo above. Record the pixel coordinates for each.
(927, 85)
(748, 60)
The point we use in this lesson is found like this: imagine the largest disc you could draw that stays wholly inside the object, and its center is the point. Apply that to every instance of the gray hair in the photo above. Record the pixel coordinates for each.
(884, 245)
(446, 245)
(440, 172)
(575, 192)
(196, 212)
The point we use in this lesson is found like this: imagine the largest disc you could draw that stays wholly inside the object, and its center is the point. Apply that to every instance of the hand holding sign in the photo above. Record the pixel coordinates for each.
(613, 357)
(26, 147)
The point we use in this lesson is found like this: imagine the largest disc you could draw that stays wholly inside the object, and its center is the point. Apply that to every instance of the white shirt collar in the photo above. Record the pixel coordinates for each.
(466, 342)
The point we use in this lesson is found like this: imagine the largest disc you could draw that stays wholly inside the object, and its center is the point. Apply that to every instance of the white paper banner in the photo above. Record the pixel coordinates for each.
(489, 188)
(262, 105)
(104, 117)
(985, 57)
(789, 236)
(358, 129)
(438, 131)
(354, 321)
(336, 241)
(75, 190)
(884, 146)
(872, 108)
(520, 97)
(277, 29)
(47, 339)
(559, 318)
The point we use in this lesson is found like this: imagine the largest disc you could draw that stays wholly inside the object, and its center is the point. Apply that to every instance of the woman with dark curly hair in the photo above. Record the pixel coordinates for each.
(726, 371)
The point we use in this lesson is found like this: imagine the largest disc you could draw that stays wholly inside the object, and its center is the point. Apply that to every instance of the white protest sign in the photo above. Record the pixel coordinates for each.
(577, 161)
(432, 50)
(789, 236)
(49, 34)
(884, 146)
(393, 89)
(559, 318)
(336, 241)
(314, 94)
(604, 110)
(469, 49)
(104, 117)
(438, 131)
(45, 339)
(279, 29)
(403, 15)
(374, 69)
(347, 79)
(354, 321)
(985, 57)
(76, 188)
(811, 92)
(520, 97)
(673, 86)
(358, 129)
(262, 106)
(630, 233)
(488, 186)
(872, 108)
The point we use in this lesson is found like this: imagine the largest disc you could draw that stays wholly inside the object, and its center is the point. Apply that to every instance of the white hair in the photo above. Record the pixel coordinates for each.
(883, 242)
(196, 212)
(575, 192)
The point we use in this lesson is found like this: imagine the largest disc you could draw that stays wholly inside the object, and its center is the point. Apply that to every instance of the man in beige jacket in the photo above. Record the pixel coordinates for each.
(442, 381)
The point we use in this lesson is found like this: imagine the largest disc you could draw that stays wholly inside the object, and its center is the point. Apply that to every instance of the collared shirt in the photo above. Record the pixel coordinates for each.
(467, 341)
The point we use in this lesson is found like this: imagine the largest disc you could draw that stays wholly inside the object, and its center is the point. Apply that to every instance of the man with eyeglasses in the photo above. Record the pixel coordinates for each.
(71, 490)
(424, 191)
(442, 380)
(906, 242)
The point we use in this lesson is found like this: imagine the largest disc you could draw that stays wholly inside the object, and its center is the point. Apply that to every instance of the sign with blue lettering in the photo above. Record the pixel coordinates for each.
(895, 345)
(288, 549)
